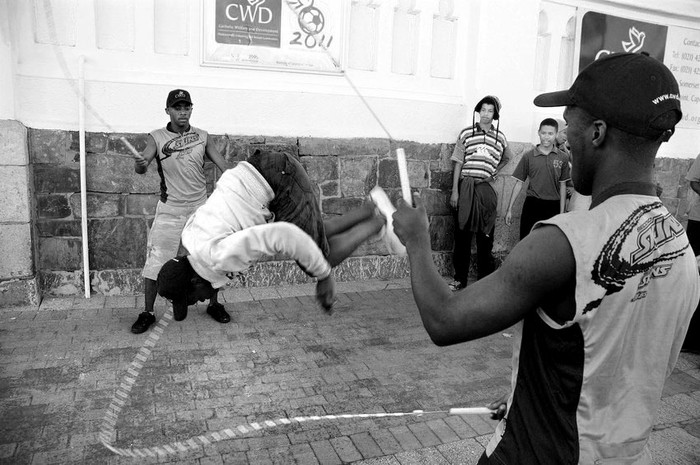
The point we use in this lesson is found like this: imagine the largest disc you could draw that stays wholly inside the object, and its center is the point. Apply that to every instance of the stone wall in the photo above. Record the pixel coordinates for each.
(18, 283)
(121, 203)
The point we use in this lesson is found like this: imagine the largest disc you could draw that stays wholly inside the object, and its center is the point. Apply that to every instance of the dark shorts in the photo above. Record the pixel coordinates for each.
(295, 201)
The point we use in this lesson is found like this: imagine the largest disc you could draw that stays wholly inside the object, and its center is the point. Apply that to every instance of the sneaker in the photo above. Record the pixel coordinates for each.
(218, 312)
(385, 207)
(144, 321)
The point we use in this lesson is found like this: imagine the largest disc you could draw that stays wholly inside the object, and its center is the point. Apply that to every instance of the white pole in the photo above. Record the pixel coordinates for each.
(83, 177)
(403, 176)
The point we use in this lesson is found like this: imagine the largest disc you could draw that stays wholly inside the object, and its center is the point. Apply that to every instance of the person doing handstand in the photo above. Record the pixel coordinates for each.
(266, 206)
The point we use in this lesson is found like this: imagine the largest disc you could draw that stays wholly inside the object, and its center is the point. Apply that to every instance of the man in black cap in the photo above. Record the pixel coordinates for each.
(602, 298)
(480, 153)
(179, 151)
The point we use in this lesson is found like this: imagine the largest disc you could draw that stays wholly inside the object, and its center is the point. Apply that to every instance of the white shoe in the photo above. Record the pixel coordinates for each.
(385, 207)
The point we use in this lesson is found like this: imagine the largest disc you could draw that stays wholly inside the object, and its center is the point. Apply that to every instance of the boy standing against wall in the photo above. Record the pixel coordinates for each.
(548, 170)
(179, 151)
(480, 153)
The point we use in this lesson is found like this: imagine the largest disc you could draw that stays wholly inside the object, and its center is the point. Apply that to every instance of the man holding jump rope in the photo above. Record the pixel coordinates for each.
(601, 298)
(179, 151)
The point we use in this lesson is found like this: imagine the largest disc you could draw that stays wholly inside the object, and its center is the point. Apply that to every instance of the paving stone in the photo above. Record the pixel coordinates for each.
(366, 445)
(461, 452)
(405, 438)
(421, 456)
(345, 449)
(325, 453)
(281, 357)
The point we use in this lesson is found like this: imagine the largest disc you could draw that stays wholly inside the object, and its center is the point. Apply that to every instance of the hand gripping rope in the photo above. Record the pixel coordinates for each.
(107, 435)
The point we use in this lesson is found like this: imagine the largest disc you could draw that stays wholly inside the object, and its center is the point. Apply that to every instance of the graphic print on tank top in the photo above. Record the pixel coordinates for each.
(631, 251)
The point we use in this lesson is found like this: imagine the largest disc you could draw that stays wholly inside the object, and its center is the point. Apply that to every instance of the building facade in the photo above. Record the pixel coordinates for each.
(340, 83)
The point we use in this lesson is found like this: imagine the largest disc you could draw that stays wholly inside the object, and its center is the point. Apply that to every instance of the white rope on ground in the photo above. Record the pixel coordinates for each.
(120, 399)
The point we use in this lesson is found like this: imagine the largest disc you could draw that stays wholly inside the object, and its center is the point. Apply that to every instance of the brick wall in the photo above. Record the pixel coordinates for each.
(121, 203)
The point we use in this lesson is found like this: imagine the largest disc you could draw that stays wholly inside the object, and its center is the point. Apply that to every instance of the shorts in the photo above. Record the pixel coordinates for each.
(295, 201)
(164, 236)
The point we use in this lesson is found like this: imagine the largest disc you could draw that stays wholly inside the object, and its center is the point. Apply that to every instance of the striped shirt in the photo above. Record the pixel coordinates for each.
(479, 151)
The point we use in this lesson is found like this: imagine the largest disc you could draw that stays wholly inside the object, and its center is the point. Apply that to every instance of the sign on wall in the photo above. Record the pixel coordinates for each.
(678, 48)
(295, 35)
(683, 59)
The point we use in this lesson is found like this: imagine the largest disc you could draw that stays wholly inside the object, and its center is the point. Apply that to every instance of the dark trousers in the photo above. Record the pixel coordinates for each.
(693, 232)
(463, 253)
(692, 339)
(535, 210)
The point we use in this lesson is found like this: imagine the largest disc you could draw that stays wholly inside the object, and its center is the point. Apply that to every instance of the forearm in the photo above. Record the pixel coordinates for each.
(562, 196)
(517, 187)
(456, 174)
(429, 291)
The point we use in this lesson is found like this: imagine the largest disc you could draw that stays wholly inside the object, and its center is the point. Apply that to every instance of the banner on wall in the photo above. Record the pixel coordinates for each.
(678, 48)
(295, 35)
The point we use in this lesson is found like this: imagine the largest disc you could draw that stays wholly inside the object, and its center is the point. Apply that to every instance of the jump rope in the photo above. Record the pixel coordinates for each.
(108, 433)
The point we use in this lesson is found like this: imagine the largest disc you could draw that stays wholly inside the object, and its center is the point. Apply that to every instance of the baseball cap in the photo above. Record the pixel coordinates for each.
(173, 282)
(178, 95)
(630, 91)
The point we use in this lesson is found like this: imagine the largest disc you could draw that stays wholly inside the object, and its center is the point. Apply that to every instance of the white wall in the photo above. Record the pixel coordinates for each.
(132, 61)
(7, 68)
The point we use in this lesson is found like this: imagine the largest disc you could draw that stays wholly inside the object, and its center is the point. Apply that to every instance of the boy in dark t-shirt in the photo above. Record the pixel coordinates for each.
(548, 170)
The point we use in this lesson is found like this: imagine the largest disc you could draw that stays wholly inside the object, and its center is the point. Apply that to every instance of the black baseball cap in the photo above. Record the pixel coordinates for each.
(176, 96)
(173, 282)
(629, 91)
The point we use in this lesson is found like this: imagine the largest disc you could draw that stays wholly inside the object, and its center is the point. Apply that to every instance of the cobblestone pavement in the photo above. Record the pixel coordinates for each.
(280, 357)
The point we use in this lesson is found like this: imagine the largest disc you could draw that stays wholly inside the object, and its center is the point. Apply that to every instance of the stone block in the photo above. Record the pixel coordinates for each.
(51, 179)
(281, 147)
(98, 205)
(53, 206)
(418, 173)
(344, 147)
(117, 243)
(672, 205)
(52, 146)
(59, 253)
(141, 204)
(340, 206)
(96, 142)
(65, 228)
(115, 174)
(358, 175)
(116, 146)
(441, 180)
(321, 169)
(436, 202)
(330, 188)
(15, 193)
(417, 150)
(240, 148)
(505, 237)
(61, 283)
(16, 250)
(20, 292)
(442, 230)
(13, 143)
(117, 282)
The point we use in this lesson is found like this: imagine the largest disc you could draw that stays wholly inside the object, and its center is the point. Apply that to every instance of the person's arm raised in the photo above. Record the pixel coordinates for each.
(213, 154)
(539, 272)
(141, 161)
